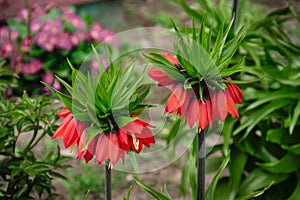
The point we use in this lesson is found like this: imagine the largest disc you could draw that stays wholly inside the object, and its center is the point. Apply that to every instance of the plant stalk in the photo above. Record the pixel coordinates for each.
(107, 180)
(235, 9)
(201, 165)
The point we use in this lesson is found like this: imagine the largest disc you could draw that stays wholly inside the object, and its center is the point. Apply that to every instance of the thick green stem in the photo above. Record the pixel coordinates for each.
(235, 9)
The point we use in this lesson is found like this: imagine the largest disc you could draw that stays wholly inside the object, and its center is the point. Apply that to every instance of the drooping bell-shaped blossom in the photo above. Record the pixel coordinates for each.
(108, 145)
(186, 102)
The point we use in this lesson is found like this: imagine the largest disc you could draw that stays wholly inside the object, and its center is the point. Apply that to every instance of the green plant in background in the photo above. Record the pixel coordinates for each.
(25, 170)
(80, 185)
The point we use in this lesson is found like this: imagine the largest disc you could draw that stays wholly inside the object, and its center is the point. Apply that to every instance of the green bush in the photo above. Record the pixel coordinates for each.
(26, 172)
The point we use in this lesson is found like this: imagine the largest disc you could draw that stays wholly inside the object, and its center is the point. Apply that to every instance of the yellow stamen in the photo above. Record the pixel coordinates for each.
(175, 116)
(71, 148)
(135, 142)
(110, 165)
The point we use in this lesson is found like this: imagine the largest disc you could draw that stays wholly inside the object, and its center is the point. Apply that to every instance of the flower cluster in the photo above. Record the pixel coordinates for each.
(109, 145)
(51, 35)
(214, 105)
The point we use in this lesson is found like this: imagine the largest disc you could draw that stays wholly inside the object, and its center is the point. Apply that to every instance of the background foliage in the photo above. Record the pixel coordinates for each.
(26, 172)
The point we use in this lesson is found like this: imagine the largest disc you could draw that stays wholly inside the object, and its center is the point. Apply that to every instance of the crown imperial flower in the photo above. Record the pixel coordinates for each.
(214, 105)
(113, 128)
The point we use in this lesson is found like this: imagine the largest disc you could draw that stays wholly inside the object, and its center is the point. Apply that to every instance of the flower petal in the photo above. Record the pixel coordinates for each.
(231, 108)
(60, 132)
(235, 92)
(146, 137)
(102, 151)
(160, 76)
(123, 136)
(203, 119)
(193, 113)
(71, 136)
(208, 110)
(176, 99)
(88, 153)
(185, 105)
(218, 105)
(135, 126)
(63, 113)
(171, 59)
(115, 151)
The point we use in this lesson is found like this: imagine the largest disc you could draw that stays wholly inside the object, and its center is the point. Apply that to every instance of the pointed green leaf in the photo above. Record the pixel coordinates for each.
(295, 117)
(154, 193)
(296, 193)
(209, 194)
(289, 163)
(64, 98)
(292, 148)
(258, 179)
(123, 120)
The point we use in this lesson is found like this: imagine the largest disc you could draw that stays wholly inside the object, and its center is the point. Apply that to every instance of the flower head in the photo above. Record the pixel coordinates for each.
(200, 110)
(29, 68)
(108, 145)
(112, 127)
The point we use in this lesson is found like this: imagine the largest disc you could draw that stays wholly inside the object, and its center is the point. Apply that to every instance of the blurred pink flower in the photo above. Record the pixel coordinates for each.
(37, 11)
(63, 41)
(95, 32)
(66, 11)
(73, 18)
(13, 34)
(46, 90)
(95, 65)
(76, 21)
(26, 44)
(4, 33)
(56, 85)
(82, 34)
(75, 39)
(8, 47)
(56, 26)
(110, 38)
(51, 26)
(43, 39)
(35, 25)
(48, 77)
(23, 15)
(29, 68)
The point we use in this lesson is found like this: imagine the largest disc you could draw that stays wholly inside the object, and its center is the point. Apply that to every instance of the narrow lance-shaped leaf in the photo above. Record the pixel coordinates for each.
(295, 117)
(154, 193)
(209, 194)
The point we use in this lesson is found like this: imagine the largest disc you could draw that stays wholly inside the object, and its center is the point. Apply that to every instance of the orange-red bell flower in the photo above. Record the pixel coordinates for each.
(110, 145)
(215, 105)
